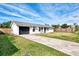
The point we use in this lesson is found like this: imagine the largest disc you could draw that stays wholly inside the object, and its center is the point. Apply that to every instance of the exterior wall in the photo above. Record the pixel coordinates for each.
(37, 30)
(50, 30)
(15, 29)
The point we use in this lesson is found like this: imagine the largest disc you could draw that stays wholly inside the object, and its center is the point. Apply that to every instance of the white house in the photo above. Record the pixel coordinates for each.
(29, 28)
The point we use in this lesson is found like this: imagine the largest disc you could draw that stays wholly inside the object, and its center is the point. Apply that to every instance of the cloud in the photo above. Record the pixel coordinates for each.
(20, 9)
(42, 13)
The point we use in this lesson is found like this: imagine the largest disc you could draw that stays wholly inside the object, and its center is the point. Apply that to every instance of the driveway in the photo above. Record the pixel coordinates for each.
(68, 47)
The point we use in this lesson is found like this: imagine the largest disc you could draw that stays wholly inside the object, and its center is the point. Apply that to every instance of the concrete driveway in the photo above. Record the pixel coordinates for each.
(70, 48)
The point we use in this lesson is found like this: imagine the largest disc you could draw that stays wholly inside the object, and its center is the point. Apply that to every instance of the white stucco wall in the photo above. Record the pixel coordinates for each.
(50, 30)
(15, 29)
(36, 30)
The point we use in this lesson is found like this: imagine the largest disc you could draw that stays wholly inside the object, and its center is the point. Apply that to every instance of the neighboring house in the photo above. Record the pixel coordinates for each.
(29, 28)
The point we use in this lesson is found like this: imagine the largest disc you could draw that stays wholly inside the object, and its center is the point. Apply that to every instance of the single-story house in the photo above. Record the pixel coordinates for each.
(19, 28)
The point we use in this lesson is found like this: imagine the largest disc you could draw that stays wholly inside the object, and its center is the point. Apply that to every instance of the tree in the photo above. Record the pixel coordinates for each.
(56, 26)
(5, 24)
(64, 26)
(76, 26)
(0, 25)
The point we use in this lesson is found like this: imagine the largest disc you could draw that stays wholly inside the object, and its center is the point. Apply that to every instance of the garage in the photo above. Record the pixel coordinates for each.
(23, 30)
(20, 28)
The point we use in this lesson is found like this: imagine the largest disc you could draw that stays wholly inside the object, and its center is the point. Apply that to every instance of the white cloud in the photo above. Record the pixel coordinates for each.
(21, 10)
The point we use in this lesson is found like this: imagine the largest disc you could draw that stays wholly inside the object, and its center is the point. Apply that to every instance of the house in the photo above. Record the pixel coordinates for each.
(29, 28)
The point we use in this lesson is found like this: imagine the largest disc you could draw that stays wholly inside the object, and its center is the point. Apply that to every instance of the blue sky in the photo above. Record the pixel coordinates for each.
(50, 13)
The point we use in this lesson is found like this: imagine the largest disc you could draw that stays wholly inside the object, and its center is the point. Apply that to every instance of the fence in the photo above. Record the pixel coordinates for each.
(5, 30)
(64, 30)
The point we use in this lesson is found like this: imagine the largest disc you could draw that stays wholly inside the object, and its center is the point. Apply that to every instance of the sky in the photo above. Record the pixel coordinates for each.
(40, 13)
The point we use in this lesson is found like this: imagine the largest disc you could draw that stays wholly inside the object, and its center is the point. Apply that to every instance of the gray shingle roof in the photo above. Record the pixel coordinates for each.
(29, 24)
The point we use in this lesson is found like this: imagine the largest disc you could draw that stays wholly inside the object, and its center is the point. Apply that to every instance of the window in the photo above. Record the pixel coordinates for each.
(47, 28)
(33, 29)
(40, 28)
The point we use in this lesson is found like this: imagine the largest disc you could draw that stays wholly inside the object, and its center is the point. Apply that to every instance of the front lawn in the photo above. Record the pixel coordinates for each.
(18, 46)
(6, 47)
(62, 35)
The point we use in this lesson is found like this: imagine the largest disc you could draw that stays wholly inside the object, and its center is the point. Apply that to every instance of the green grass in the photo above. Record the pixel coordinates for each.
(6, 47)
(35, 49)
(17, 46)
(62, 35)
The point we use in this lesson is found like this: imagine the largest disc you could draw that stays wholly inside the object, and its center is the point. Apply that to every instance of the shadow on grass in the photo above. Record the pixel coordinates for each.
(6, 46)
